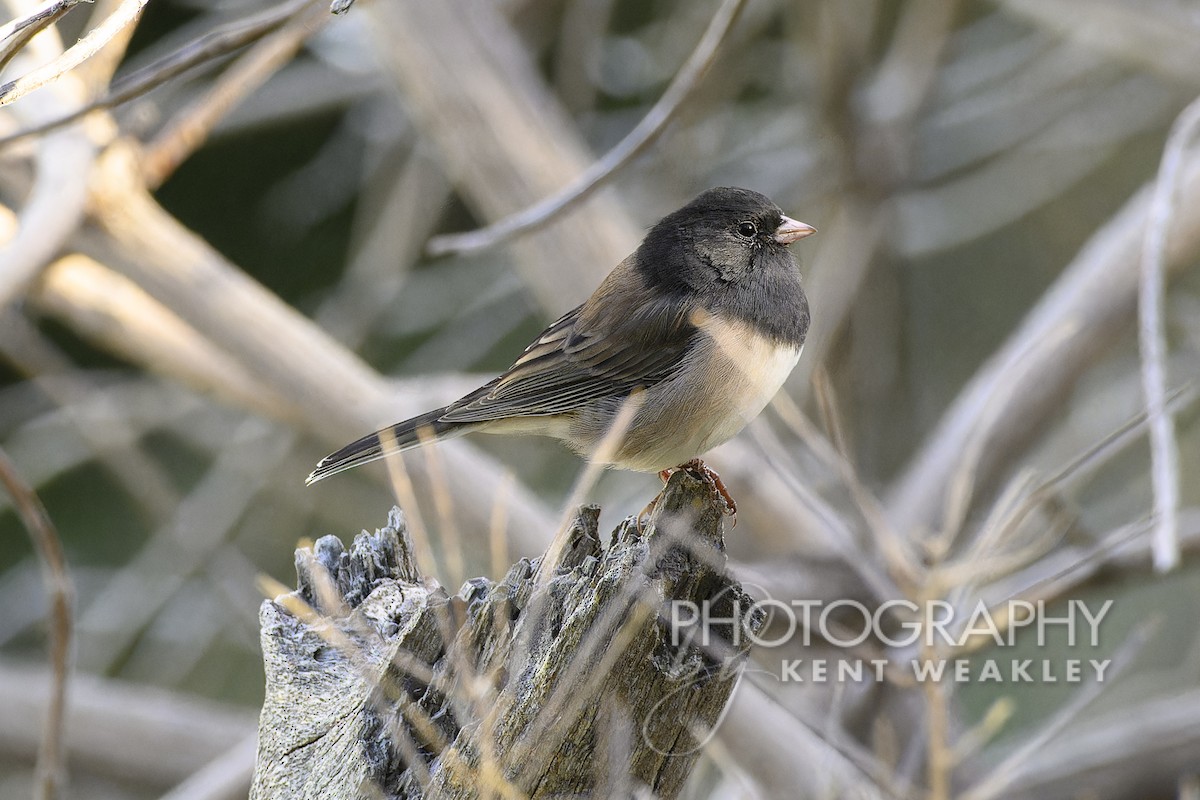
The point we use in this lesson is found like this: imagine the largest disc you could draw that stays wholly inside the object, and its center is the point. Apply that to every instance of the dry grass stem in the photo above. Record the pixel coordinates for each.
(1152, 341)
(60, 591)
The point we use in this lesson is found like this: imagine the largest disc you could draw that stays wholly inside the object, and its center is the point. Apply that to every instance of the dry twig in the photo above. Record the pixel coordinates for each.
(126, 14)
(188, 130)
(16, 33)
(61, 592)
(623, 154)
(204, 49)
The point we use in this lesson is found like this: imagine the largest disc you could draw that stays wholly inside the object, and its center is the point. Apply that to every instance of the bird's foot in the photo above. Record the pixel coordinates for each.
(706, 474)
(709, 475)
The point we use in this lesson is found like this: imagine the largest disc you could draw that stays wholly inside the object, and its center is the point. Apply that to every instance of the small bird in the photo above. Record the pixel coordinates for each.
(699, 327)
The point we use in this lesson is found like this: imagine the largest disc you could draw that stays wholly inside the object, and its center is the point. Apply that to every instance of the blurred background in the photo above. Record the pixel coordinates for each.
(235, 263)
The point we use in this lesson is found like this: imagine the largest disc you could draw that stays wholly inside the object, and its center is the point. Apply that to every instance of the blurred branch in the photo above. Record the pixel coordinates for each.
(114, 312)
(854, 236)
(1054, 84)
(188, 130)
(905, 76)
(840, 531)
(52, 211)
(629, 148)
(1021, 498)
(1164, 456)
(226, 777)
(1126, 550)
(1164, 36)
(305, 89)
(125, 14)
(1001, 186)
(46, 541)
(16, 33)
(206, 48)
(880, 146)
(1000, 777)
(338, 395)
(1137, 750)
(173, 265)
(902, 563)
(1093, 299)
(113, 444)
(504, 139)
(778, 750)
(54, 206)
(186, 542)
(133, 732)
(400, 208)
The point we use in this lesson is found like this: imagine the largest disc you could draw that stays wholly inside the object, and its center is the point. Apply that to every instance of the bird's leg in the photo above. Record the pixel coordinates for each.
(709, 475)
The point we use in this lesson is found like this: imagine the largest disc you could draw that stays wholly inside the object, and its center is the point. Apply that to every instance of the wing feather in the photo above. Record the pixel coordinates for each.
(584, 356)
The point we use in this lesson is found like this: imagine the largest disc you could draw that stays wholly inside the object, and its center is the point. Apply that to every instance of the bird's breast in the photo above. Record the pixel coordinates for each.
(745, 369)
(730, 376)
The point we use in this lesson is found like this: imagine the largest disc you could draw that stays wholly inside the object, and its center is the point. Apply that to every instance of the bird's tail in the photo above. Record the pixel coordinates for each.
(383, 443)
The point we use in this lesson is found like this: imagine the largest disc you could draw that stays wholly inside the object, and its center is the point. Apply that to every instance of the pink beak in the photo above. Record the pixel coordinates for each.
(791, 231)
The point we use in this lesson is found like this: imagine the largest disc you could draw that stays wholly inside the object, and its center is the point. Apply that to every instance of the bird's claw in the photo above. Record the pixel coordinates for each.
(705, 473)
(709, 475)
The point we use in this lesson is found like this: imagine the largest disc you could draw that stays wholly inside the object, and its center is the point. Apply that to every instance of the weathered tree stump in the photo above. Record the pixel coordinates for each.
(597, 680)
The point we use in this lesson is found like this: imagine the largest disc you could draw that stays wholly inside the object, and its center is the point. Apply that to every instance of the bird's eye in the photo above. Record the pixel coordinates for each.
(747, 229)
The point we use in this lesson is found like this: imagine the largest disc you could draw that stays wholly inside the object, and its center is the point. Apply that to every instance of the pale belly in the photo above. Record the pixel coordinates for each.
(727, 387)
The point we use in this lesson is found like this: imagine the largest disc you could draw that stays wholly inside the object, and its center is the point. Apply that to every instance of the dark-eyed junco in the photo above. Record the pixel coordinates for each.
(700, 327)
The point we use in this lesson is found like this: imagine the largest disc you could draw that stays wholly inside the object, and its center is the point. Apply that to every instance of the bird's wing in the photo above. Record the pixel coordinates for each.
(585, 356)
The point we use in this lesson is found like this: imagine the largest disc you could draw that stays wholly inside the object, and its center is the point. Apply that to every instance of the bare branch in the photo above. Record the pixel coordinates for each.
(226, 777)
(187, 132)
(1090, 303)
(502, 136)
(629, 148)
(126, 14)
(206, 48)
(15, 34)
